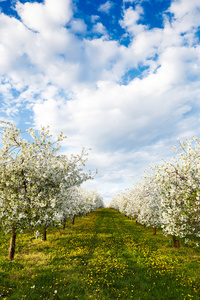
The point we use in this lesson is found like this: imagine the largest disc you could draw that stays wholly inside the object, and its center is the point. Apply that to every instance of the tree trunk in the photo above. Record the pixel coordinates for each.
(12, 244)
(73, 220)
(64, 225)
(45, 234)
(154, 230)
(176, 242)
(144, 226)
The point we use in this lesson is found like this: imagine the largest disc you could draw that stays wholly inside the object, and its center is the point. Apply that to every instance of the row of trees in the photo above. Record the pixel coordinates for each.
(168, 195)
(78, 202)
(39, 187)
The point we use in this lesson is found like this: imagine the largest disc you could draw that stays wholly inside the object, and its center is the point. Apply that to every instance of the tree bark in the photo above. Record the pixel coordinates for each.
(45, 234)
(73, 220)
(12, 244)
(64, 225)
(154, 230)
(176, 242)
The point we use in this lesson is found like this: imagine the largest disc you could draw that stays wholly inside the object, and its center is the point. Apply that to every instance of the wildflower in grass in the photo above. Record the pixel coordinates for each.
(37, 234)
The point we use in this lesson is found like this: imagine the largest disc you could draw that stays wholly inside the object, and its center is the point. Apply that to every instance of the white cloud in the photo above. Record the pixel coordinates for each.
(12, 49)
(182, 8)
(99, 28)
(94, 18)
(11, 111)
(78, 26)
(106, 7)
(131, 1)
(131, 18)
(42, 17)
(118, 116)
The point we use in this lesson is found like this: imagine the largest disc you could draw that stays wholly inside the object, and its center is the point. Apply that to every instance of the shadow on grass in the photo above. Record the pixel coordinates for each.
(103, 256)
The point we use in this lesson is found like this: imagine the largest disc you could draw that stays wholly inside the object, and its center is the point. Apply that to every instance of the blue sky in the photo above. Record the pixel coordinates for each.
(120, 77)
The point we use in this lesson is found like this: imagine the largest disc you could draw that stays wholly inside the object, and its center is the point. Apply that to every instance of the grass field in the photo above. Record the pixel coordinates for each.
(103, 256)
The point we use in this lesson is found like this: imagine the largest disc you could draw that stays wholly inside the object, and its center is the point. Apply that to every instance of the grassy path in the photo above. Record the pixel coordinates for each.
(103, 256)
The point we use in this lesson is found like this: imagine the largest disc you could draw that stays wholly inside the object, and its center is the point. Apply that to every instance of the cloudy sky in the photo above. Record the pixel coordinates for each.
(121, 77)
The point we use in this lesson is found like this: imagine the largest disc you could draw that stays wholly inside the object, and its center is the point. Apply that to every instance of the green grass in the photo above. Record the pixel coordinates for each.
(103, 256)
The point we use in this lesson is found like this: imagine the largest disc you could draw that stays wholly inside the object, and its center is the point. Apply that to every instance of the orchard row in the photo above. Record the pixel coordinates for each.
(168, 195)
(40, 186)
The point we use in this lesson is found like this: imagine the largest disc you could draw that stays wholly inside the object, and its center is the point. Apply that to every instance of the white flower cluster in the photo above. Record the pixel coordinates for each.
(78, 202)
(169, 195)
(39, 186)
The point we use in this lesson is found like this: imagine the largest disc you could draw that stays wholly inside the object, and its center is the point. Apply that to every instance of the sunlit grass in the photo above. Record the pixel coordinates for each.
(103, 256)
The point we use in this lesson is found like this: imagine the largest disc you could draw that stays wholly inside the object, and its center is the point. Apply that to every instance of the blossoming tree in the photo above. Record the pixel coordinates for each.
(168, 196)
(32, 177)
(179, 183)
